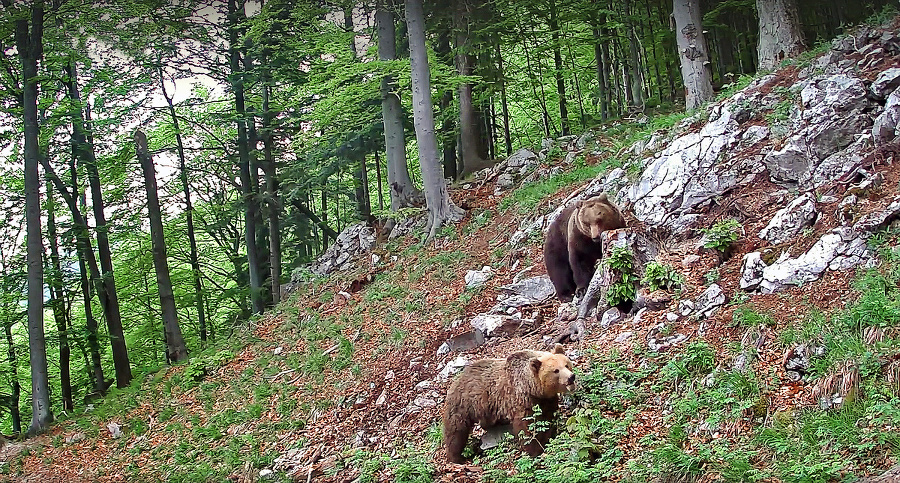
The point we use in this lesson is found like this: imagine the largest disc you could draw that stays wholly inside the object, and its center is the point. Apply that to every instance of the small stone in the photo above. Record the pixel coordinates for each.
(114, 429)
(685, 307)
(389, 375)
(278, 350)
(477, 278)
(74, 438)
(610, 317)
(671, 317)
(266, 473)
(624, 336)
(690, 260)
(382, 398)
(505, 181)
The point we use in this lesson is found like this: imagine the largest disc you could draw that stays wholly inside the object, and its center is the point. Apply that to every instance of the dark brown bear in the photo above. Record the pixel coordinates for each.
(493, 392)
(572, 246)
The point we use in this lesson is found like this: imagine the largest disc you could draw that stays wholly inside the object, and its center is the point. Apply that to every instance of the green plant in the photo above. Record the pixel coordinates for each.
(722, 235)
(660, 276)
(624, 289)
(712, 276)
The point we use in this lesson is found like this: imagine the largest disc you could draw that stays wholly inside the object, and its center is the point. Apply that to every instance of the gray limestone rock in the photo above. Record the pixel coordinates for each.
(790, 220)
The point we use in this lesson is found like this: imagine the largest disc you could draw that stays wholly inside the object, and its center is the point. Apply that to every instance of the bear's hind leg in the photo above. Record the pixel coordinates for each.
(456, 434)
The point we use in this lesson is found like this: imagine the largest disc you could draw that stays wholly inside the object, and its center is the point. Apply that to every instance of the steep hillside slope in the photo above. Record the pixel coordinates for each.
(775, 357)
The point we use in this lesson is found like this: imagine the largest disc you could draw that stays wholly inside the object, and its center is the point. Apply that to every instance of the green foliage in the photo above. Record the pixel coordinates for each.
(747, 317)
(698, 358)
(624, 289)
(409, 467)
(722, 234)
(527, 197)
(661, 276)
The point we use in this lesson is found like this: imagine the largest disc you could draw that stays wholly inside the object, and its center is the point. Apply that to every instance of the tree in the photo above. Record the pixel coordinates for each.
(693, 52)
(176, 351)
(780, 33)
(403, 192)
(440, 207)
(468, 121)
(29, 43)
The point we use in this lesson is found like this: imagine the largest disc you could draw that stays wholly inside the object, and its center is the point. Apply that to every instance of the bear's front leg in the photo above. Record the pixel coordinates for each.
(520, 428)
(582, 271)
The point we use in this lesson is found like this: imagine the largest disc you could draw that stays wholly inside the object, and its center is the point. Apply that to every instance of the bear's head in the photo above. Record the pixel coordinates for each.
(554, 372)
(596, 215)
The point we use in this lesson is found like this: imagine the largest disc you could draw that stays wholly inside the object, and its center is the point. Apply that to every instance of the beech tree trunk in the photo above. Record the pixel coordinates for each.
(29, 43)
(189, 212)
(468, 119)
(176, 351)
(247, 189)
(440, 208)
(693, 52)
(57, 303)
(273, 197)
(15, 415)
(84, 151)
(403, 192)
(780, 33)
(553, 23)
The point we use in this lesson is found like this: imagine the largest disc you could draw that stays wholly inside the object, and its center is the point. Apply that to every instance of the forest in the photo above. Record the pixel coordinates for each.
(169, 166)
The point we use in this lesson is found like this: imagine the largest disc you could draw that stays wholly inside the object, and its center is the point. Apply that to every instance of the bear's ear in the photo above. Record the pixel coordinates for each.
(579, 203)
(535, 365)
(602, 197)
(558, 349)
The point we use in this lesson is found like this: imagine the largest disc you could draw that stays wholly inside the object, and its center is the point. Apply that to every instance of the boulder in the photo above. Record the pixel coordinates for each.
(885, 127)
(790, 220)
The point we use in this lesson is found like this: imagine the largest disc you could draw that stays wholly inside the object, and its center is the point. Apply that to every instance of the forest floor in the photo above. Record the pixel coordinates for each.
(331, 372)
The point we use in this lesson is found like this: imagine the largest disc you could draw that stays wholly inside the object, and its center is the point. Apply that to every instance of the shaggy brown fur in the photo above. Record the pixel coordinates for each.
(494, 392)
(572, 246)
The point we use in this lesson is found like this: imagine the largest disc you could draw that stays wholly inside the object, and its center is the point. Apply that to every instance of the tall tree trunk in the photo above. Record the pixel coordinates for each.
(468, 118)
(189, 212)
(57, 303)
(545, 114)
(247, 190)
(378, 181)
(84, 151)
(607, 71)
(780, 32)
(273, 196)
(693, 52)
(440, 208)
(602, 77)
(448, 123)
(15, 415)
(403, 192)
(176, 351)
(29, 43)
(504, 103)
(553, 23)
(653, 44)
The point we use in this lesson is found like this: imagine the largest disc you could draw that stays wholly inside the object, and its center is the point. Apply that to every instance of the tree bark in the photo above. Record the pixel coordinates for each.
(693, 52)
(84, 151)
(468, 119)
(189, 212)
(29, 43)
(176, 351)
(15, 415)
(57, 303)
(403, 192)
(504, 103)
(780, 32)
(553, 23)
(440, 208)
(270, 168)
(247, 190)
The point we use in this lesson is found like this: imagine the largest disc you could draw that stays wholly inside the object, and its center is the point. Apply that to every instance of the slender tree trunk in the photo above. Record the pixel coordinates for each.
(14, 375)
(602, 77)
(545, 114)
(176, 351)
(189, 212)
(448, 123)
(84, 151)
(553, 23)
(249, 196)
(57, 303)
(504, 103)
(607, 70)
(378, 182)
(270, 169)
(653, 43)
(403, 192)
(440, 208)
(693, 52)
(780, 32)
(468, 119)
(29, 43)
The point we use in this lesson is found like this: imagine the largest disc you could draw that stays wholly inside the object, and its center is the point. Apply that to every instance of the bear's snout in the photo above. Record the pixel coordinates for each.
(597, 239)
(571, 379)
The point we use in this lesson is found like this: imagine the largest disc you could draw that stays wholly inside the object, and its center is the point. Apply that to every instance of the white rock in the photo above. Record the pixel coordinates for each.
(266, 474)
(477, 278)
(790, 220)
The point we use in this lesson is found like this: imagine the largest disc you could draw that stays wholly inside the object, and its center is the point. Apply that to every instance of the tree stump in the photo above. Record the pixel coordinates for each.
(642, 250)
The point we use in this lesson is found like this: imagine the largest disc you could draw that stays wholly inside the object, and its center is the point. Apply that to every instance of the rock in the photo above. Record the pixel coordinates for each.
(266, 474)
(352, 241)
(890, 476)
(796, 361)
(582, 141)
(538, 289)
(610, 317)
(490, 323)
(494, 436)
(711, 299)
(382, 398)
(624, 336)
(885, 127)
(671, 317)
(453, 367)
(690, 260)
(742, 362)
(790, 220)
(659, 343)
(476, 278)
(74, 438)
(114, 429)
(751, 271)
(685, 307)
(570, 157)
(867, 185)
(522, 157)
(886, 82)
(278, 350)
(505, 181)
(841, 248)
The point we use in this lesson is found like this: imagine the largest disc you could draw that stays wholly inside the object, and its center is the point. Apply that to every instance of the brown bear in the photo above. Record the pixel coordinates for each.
(572, 245)
(494, 392)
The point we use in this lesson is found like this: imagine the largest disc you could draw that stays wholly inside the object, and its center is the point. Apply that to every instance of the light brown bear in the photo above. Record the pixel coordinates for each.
(572, 245)
(493, 392)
